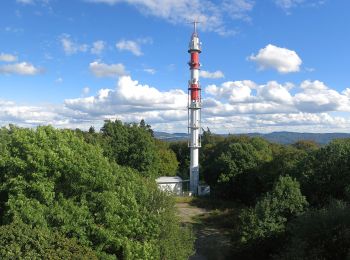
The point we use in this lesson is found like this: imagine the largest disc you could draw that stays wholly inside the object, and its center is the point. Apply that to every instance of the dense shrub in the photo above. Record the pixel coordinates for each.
(130, 145)
(230, 158)
(320, 234)
(53, 178)
(325, 174)
(181, 151)
(21, 241)
(262, 227)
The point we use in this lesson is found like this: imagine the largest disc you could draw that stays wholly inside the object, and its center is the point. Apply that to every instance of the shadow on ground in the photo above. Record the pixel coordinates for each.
(211, 226)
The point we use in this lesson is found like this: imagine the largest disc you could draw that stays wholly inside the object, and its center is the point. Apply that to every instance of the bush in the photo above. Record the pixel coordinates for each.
(130, 145)
(21, 241)
(262, 227)
(53, 179)
(320, 234)
(230, 158)
(325, 174)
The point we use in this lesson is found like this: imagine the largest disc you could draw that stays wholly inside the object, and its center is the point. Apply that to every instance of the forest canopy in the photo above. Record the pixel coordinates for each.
(292, 201)
(85, 191)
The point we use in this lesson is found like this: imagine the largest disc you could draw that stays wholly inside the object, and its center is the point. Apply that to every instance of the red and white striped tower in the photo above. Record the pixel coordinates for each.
(194, 110)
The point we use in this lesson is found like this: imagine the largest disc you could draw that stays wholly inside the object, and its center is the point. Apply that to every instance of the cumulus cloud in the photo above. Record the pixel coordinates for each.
(234, 91)
(71, 47)
(281, 59)
(316, 97)
(272, 97)
(23, 68)
(233, 106)
(129, 96)
(211, 75)
(107, 70)
(210, 13)
(98, 47)
(7, 57)
(133, 46)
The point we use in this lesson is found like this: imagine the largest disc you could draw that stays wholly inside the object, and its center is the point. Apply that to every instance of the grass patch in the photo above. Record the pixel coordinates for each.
(224, 219)
(212, 204)
(183, 199)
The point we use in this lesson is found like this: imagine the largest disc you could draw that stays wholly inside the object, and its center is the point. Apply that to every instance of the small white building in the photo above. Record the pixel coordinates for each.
(172, 184)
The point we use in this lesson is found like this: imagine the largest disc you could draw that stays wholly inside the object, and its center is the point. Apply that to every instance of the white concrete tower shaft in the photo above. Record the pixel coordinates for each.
(194, 110)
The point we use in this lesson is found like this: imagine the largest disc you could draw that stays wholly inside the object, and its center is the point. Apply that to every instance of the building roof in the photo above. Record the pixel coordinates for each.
(167, 179)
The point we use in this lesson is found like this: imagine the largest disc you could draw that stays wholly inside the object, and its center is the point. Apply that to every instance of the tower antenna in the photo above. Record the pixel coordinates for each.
(194, 109)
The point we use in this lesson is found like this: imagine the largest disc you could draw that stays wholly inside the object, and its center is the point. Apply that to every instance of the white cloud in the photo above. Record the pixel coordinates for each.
(317, 97)
(107, 70)
(7, 57)
(238, 98)
(211, 75)
(71, 47)
(234, 91)
(98, 47)
(233, 106)
(22, 68)
(238, 9)
(132, 46)
(275, 92)
(130, 97)
(150, 71)
(210, 13)
(281, 59)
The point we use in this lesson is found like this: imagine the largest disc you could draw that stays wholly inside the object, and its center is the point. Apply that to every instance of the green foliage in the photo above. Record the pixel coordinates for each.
(262, 227)
(54, 179)
(306, 145)
(182, 153)
(21, 241)
(168, 163)
(325, 174)
(320, 234)
(230, 158)
(271, 213)
(131, 145)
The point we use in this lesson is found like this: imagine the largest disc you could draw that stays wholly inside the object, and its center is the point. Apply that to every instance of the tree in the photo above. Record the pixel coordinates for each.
(230, 158)
(182, 153)
(130, 145)
(146, 127)
(53, 179)
(319, 234)
(168, 164)
(271, 213)
(262, 227)
(325, 173)
(22, 241)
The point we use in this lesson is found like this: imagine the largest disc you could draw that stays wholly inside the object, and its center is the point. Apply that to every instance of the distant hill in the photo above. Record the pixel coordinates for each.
(170, 137)
(275, 137)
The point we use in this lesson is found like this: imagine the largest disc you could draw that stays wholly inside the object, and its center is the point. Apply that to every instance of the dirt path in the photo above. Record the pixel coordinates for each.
(212, 243)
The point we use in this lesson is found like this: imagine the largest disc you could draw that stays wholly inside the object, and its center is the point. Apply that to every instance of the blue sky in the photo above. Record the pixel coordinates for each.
(267, 65)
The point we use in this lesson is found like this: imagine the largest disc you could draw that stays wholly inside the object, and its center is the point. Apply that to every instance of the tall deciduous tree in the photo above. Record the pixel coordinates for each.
(54, 179)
